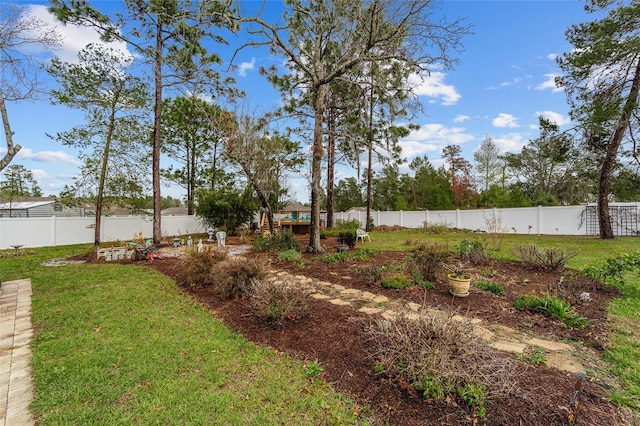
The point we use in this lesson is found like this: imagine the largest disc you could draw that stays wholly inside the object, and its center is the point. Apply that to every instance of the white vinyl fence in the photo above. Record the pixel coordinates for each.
(58, 231)
(563, 220)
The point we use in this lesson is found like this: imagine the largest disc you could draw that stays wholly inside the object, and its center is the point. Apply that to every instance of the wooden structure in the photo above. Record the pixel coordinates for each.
(294, 216)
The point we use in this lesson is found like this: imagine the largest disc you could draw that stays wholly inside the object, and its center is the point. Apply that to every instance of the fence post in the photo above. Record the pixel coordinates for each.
(400, 214)
(426, 218)
(457, 218)
(53, 234)
(539, 219)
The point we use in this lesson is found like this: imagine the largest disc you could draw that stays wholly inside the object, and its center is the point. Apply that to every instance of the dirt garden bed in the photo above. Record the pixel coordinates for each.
(335, 336)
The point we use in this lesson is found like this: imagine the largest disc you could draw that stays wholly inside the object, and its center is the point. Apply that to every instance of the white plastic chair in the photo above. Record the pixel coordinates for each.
(221, 236)
(361, 234)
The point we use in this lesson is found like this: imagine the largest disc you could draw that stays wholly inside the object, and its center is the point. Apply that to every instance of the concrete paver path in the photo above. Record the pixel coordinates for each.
(16, 388)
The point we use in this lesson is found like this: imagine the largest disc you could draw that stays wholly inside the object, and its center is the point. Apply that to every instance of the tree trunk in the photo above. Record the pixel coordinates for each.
(316, 170)
(369, 163)
(8, 133)
(331, 162)
(604, 219)
(157, 206)
(103, 178)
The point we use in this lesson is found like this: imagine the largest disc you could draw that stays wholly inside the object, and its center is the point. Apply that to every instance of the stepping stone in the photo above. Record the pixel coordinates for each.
(367, 295)
(389, 315)
(350, 292)
(380, 299)
(565, 362)
(412, 315)
(413, 306)
(339, 287)
(506, 346)
(508, 332)
(483, 333)
(549, 345)
(370, 311)
(319, 296)
(339, 302)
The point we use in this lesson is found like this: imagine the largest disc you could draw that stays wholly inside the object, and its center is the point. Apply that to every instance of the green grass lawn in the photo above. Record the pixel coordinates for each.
(119, 344)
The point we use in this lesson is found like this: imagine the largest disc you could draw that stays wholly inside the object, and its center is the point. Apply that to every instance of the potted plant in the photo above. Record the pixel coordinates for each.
(459, 280)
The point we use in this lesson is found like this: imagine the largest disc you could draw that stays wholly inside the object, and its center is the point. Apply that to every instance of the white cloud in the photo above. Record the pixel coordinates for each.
(555, 117)
(432, 85)
(460, 118)
(552, 56)
(549, 84)
(432, 138)
(505, 120)
(75, 37)
(509, 142)
(47, 156)
(246, 66)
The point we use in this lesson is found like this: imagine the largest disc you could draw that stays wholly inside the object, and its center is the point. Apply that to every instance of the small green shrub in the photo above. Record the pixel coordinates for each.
(313, 369)
(474, 396)
(276, 302)
(397, 281)
(289, 255)
(613, 269)
(546, 259)
(335, 257)
(282, 241)
(364, 253)
(496, 289)
(349, 224)
(552, 307)
(535, 355)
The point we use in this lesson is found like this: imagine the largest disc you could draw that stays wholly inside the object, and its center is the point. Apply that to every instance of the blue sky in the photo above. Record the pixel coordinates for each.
(503, 82)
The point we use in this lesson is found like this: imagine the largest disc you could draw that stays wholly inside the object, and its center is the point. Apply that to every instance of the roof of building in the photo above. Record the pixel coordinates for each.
(23, 205)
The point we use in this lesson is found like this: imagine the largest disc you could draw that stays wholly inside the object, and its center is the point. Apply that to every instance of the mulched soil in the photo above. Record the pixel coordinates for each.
(336, 337)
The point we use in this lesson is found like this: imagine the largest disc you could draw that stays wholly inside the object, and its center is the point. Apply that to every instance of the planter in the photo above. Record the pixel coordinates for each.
(459, 286)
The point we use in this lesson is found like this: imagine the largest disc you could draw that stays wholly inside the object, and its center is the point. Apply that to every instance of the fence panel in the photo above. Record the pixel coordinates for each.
(57, 231)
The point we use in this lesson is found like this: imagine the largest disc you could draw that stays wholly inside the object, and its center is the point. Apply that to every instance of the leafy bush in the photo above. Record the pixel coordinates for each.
(276, 302)
(289, 255)
(233, 277)
(427, 261)
(198, 266)
(441, 358)
(397, 281)
(547, 259)
(613, 269)
(349, 224)
(282, 241)
(552, 307)
(496, 289)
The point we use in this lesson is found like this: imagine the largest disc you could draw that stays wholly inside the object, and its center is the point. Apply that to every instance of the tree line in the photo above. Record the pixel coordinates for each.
(346, 82)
